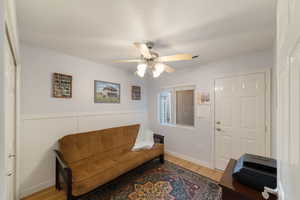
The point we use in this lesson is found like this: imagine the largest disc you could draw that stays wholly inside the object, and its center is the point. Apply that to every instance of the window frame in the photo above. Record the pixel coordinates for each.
(173, 90)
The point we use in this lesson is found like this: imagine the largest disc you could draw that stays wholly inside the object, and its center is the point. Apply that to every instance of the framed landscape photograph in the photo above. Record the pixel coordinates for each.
(61, 85)
(135, 92)
(106, 92)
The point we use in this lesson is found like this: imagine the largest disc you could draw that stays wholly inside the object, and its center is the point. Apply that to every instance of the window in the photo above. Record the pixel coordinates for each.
(165, 107)
(176, 106)
(185, 107)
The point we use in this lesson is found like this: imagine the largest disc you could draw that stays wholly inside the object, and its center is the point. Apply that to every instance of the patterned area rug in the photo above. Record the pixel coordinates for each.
(156, 181)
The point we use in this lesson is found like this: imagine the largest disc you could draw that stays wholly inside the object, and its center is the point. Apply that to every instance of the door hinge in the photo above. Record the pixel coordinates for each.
(10, 173)
(11, 155)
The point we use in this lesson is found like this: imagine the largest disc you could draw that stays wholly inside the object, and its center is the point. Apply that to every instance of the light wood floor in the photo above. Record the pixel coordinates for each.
(52, 194)
(204, 171)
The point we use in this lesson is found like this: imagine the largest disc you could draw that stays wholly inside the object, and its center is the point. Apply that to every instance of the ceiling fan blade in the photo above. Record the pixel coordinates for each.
(128, 61)
(176, 57)
(168, 68)
(144, 50)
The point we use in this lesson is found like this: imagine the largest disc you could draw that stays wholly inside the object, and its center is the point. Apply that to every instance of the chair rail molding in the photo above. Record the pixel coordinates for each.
(75, 115)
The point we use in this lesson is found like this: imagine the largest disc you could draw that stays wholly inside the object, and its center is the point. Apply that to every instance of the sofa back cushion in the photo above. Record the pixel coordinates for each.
(101, 144)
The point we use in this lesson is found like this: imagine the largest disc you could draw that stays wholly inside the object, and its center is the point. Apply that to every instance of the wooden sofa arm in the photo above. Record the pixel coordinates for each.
(60, 159)
(159, 138)
(61, 168)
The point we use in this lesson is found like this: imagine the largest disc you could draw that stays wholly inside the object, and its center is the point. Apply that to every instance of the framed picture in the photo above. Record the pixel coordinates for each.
(61, 85)
(106, 92)
(135, 92)
(203, 98)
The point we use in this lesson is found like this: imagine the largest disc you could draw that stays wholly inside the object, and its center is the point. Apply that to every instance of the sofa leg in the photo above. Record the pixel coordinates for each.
(69, 194)
(69, 185)
(162, 158)
(57, 181)
(70, 197)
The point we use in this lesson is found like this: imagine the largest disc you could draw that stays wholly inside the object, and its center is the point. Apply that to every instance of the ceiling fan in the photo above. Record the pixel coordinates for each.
(151, 60)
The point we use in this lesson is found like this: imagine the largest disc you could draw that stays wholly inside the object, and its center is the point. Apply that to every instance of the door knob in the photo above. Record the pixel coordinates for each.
(218, 122)
(218, 129)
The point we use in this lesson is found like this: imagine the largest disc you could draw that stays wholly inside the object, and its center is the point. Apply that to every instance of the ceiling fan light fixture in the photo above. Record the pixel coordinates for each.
(158, 69)
(141, 69)
(151, 59)
(155, 74)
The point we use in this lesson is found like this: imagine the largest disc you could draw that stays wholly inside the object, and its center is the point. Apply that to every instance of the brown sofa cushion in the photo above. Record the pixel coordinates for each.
(157, 149)
(87, 168)
(86, 185)
(88, 179)
(84, 145)
(98, 157)
(129, 160)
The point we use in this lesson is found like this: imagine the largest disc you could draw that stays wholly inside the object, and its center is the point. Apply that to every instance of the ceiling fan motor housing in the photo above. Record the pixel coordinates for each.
(150, 44)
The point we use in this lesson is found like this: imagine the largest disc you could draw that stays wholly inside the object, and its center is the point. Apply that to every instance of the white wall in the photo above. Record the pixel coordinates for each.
(195, 143)
(46, 119)
(39, 64)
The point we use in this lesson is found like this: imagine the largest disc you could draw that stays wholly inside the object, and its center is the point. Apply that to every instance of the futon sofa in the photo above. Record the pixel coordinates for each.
(88, 160)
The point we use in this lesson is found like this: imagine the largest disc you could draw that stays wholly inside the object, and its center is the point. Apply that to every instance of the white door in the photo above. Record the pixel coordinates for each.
(10, 120)
(240, 117)
(288, 95)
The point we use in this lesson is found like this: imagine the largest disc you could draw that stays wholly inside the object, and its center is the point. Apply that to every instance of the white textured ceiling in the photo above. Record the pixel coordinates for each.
(104, 30)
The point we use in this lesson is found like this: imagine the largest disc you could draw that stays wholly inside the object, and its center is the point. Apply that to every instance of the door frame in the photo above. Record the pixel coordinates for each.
(11, 33)
(267, 72)
(12, 49)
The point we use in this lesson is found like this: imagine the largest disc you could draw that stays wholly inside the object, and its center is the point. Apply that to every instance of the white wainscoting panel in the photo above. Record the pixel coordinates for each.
(39, 136)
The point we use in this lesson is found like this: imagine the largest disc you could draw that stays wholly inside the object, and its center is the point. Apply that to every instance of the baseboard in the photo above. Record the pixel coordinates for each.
(36, 188)
(188, 158)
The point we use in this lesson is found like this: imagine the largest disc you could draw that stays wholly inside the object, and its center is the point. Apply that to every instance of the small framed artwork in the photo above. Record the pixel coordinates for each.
(203, 98)
(61, 85)
(106, 92)
(135, 92)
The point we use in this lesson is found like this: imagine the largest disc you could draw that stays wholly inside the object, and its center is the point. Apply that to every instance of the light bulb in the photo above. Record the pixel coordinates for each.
(141, 73)
(155, 74)
(158, 69)
(141, 69)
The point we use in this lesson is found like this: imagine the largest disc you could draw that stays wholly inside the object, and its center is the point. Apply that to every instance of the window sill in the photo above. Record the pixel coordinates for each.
(179, 126)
